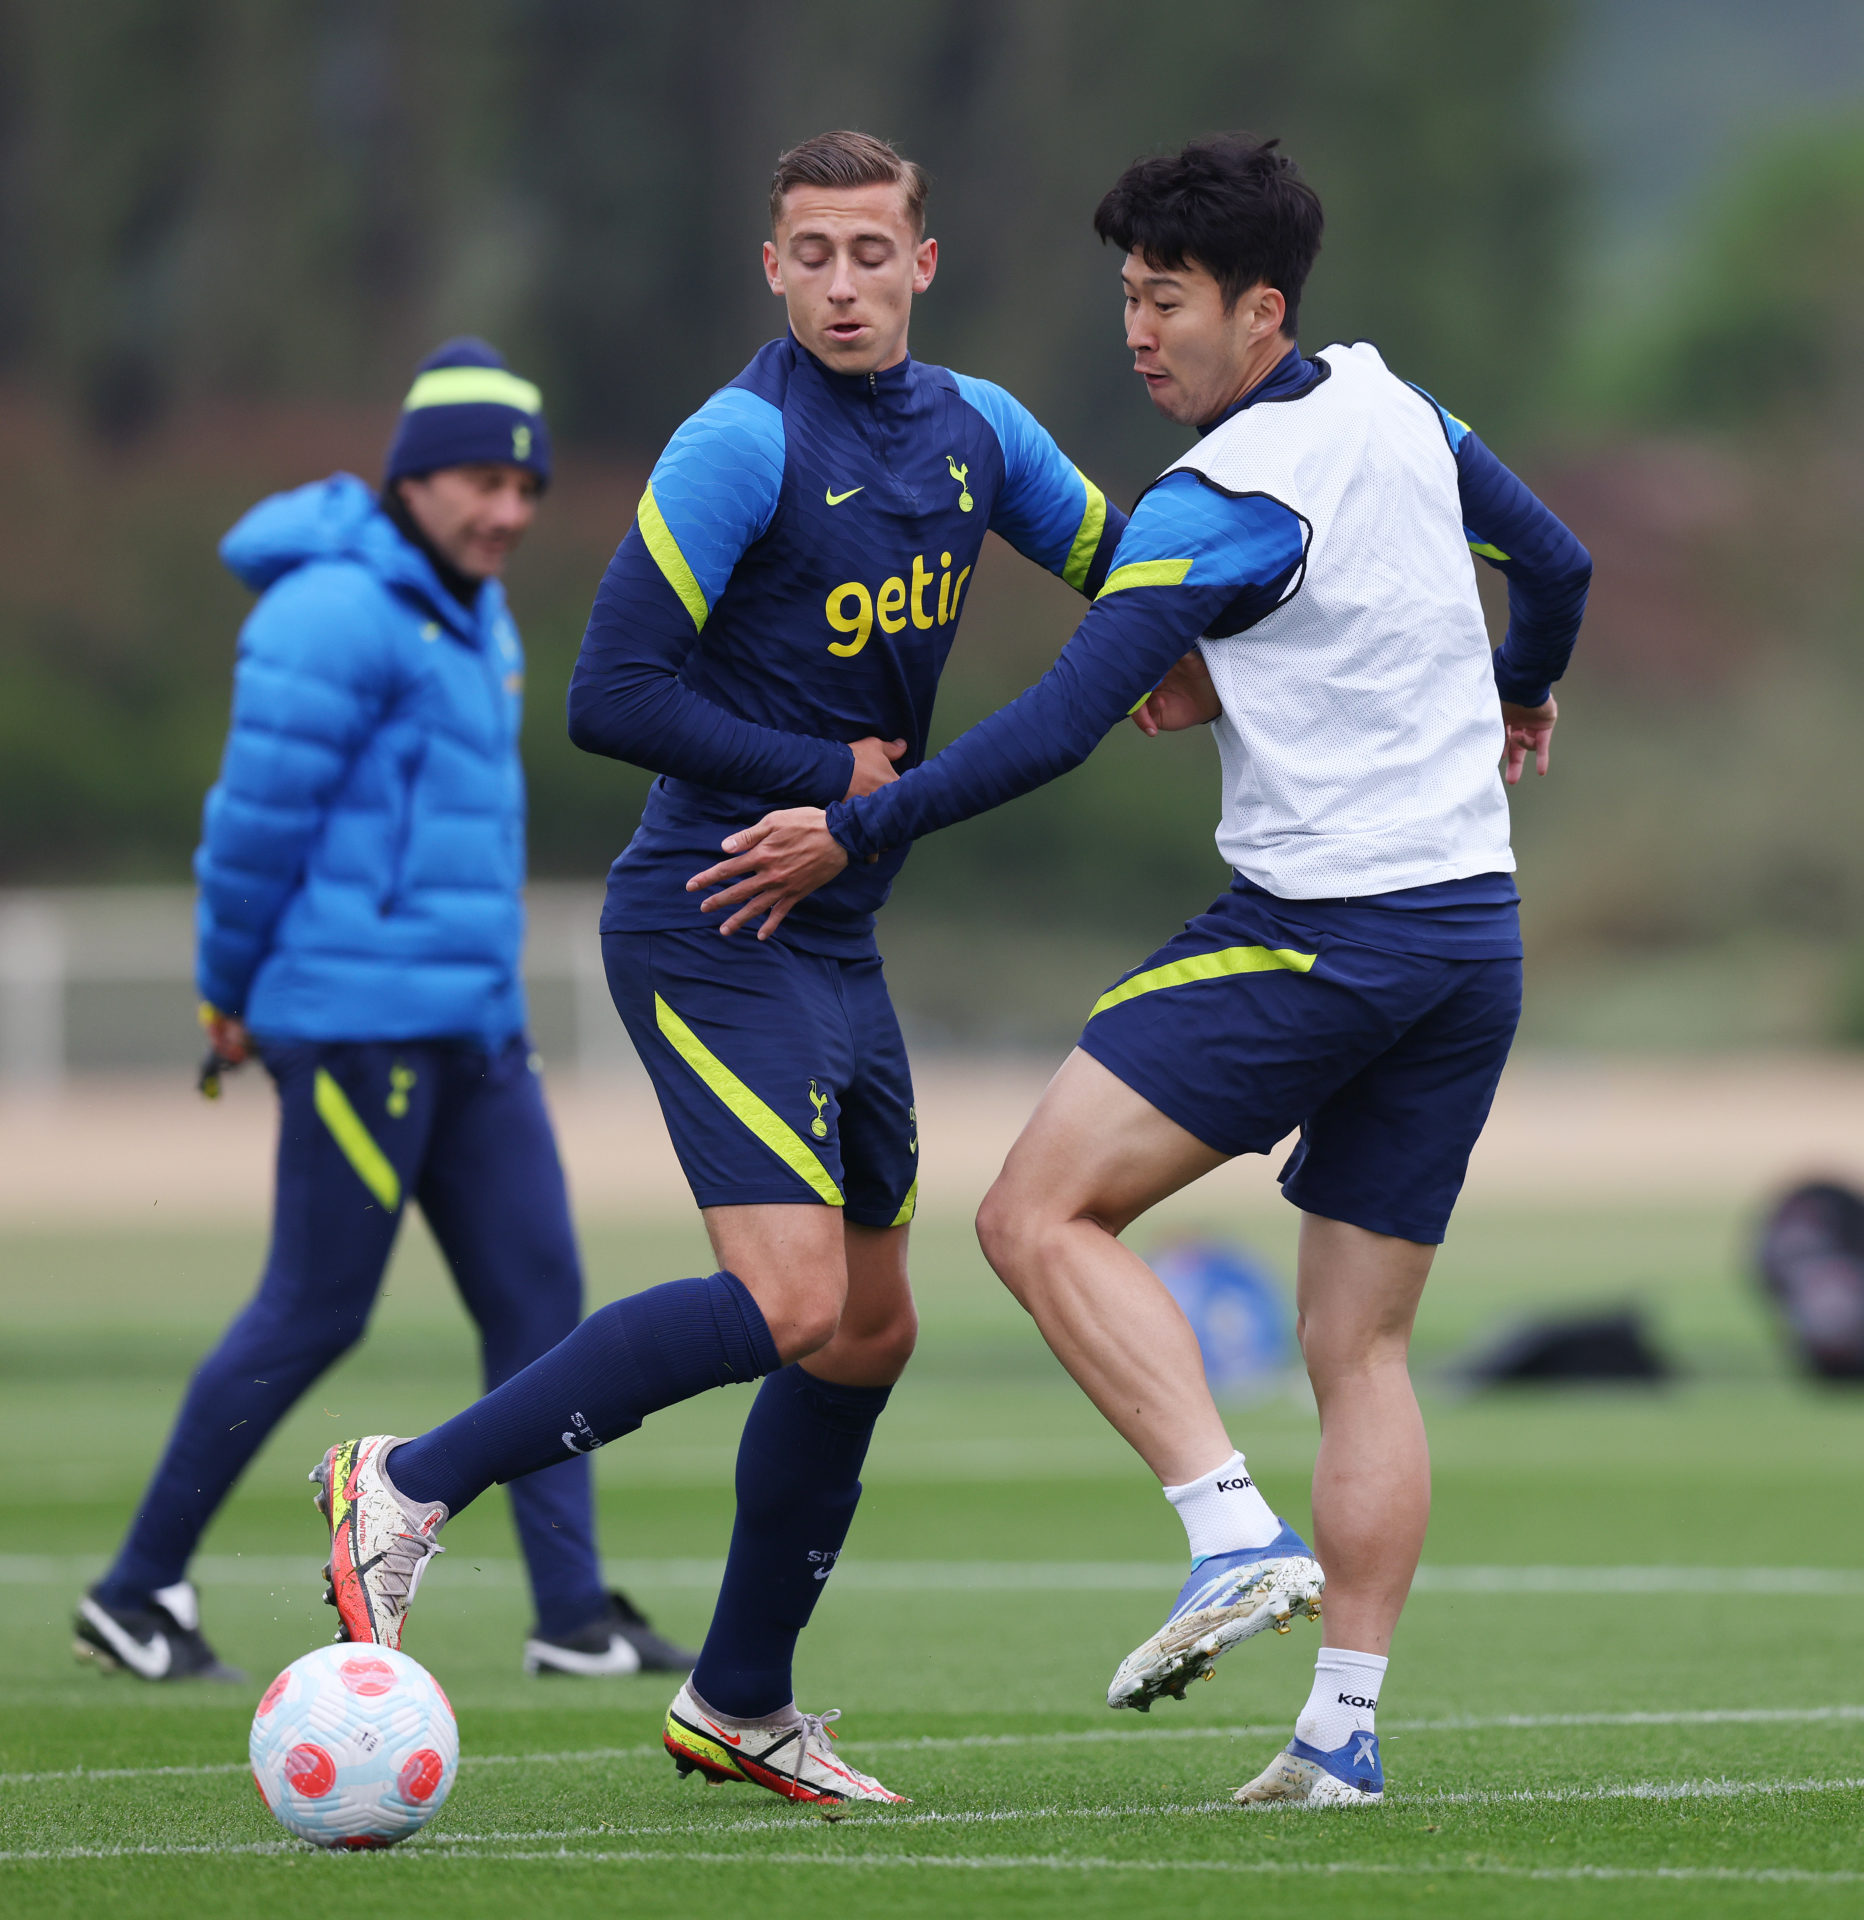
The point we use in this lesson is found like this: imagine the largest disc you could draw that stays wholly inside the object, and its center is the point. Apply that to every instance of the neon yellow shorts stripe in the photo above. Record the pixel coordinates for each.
(669, 559)
(371, 1165)
(1087, 536)
(909, 1206)
(1145, 573)
(770, 1127)
(1205, 966)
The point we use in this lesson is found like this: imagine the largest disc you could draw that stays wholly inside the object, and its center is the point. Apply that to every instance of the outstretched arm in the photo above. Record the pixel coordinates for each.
(1234, 561)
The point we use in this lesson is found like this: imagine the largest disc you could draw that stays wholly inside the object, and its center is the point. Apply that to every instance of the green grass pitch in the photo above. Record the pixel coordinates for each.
(1613, 1692)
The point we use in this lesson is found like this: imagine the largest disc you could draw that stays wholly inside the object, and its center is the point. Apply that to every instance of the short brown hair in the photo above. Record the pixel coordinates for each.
(849, 159)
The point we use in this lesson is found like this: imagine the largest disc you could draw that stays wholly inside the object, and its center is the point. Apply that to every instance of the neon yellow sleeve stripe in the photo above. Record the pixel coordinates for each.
(1145, 573)
(370, 1163)
(1087, 536)
(669, 559)
(1487, 552)
(473, 386)
(909, 1206)
(764, 1121)
(1205, 966)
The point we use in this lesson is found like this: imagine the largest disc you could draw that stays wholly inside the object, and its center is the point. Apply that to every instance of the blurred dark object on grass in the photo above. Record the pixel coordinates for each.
(1811, 1261)
(1594, 1349)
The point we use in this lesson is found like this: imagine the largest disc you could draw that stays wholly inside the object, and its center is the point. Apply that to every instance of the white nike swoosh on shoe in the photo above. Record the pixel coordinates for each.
(151, 1661)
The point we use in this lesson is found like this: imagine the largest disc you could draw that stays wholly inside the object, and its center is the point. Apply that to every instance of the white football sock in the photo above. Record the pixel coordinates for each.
(1223, 1511)
(1344, 1700)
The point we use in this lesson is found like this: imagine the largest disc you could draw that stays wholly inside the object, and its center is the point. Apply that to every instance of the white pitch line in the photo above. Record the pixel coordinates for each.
(1633, 1790)
(1095, 1736)
(1005, 1576)
(1062, 1863)
(983, 1863)
(1087, 1863)
(871, 1822)
(150, 1852)
(1018, 1863)
(497, 1845)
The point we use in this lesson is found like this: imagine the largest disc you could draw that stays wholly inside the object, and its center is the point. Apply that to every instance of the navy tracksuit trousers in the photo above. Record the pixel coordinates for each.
(365, 1128)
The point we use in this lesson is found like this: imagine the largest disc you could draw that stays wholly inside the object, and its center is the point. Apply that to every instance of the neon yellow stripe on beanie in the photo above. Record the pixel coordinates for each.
(473, 386)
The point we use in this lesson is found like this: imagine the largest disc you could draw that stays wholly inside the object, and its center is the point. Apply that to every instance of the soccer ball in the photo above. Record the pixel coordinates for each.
(354, 1746)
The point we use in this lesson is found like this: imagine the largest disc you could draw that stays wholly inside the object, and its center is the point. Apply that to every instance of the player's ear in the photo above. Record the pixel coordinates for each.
(773, 268)
(925, 265)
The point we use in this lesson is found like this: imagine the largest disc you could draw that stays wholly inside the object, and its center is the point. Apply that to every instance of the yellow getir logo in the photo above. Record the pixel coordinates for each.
(852, 608)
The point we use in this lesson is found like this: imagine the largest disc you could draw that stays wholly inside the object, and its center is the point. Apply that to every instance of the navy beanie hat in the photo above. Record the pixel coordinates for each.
(467, 407)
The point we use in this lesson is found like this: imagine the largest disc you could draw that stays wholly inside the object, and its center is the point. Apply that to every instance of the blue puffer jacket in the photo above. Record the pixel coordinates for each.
(362, 853)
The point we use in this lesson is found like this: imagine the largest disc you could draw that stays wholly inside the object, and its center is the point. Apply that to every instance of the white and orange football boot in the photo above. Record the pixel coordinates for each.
(794, 1757)
(380, 1542)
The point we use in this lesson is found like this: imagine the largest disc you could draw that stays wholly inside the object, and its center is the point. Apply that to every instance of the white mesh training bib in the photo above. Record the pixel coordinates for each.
(1361, 729)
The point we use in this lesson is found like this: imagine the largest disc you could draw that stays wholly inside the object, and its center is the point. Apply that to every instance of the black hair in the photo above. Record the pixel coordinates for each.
(1231, 204)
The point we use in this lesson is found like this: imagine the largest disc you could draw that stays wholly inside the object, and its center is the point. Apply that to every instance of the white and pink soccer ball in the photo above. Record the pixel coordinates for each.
(354, 1746)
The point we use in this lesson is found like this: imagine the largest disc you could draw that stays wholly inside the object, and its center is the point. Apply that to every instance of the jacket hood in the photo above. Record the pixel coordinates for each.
(334, 519)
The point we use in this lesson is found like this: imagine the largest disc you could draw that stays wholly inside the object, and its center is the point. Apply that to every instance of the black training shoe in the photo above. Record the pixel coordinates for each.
(621, 1641)
(160, 1642)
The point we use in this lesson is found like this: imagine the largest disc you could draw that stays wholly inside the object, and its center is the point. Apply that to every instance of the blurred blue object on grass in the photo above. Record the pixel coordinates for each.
(1236, 1307)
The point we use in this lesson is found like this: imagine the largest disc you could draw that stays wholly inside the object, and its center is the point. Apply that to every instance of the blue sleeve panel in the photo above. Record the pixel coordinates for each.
(1048, 510)
(711, 496)
(315, 675)
(1549, 573)
(1186, 532)
(1192, 560)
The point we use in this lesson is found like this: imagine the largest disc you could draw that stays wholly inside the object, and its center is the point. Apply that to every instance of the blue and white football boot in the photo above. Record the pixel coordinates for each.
(1229, 1597)
(1304, 1776)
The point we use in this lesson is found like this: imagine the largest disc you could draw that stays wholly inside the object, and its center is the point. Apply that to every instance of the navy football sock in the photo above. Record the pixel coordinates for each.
(627, 1360)
(799, 1466)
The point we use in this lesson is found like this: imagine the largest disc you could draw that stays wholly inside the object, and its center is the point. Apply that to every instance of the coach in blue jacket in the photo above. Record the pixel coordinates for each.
(360, 922)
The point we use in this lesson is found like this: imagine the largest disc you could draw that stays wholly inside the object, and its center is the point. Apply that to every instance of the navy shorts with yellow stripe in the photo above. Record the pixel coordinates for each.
(1252, 1023)
(782, 1074)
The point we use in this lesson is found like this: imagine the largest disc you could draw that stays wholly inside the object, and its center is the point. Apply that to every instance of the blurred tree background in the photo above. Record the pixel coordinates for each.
(229, 227)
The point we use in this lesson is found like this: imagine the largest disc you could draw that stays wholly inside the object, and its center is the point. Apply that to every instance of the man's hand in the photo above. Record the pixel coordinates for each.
(774, 864)
(873, 765)
(1186, 697)
(1530, 730)
(227, 1035)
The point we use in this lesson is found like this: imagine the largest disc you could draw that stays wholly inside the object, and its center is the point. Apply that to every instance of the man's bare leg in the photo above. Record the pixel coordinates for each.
(793, 1262)
(1358, 1295)
(1094, 1157)
(879, 1324)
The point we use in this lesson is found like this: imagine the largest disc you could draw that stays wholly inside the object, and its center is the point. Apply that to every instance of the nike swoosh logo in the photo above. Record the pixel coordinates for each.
(835, 499)
(152, 1660)
(730, 1739)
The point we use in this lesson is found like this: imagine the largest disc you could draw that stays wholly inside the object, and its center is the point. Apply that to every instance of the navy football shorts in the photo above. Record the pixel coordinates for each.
(1250, 1024)
(782, 1074)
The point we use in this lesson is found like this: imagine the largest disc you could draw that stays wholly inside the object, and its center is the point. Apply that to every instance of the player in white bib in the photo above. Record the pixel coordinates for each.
(1302, 580)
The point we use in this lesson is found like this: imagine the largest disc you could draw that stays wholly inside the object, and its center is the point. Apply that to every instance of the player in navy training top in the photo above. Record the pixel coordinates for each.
(770, 632)
(1360, 981)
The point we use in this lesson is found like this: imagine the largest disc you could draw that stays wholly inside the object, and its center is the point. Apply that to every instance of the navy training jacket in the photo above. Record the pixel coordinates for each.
(793, 582)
